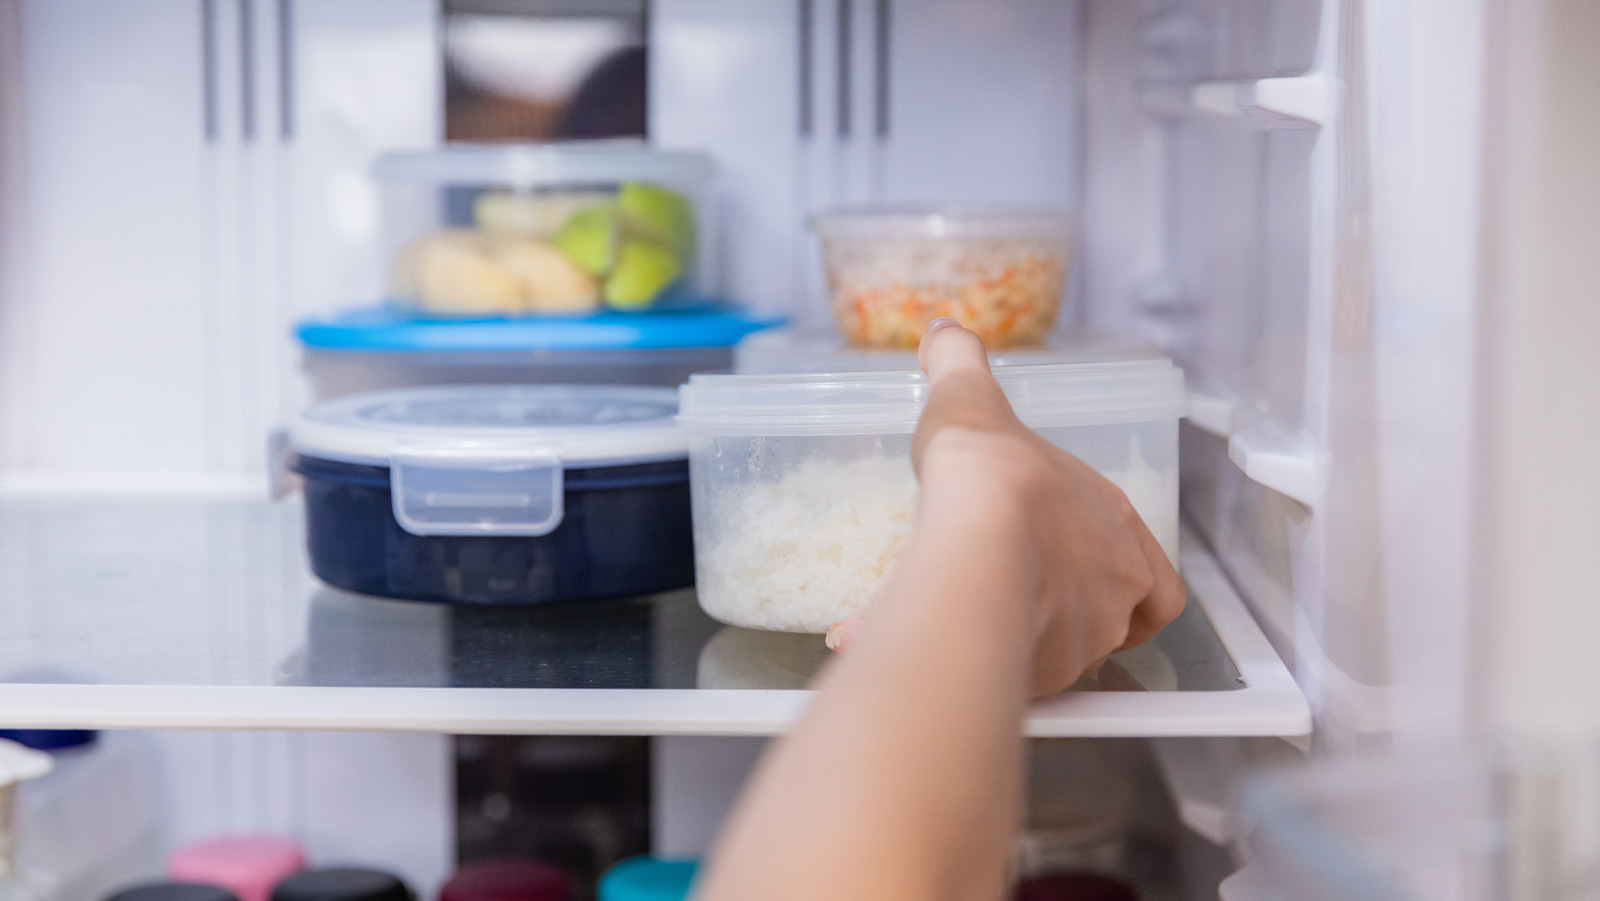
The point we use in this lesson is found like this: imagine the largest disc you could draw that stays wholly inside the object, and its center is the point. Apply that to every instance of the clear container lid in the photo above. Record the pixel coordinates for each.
(860, 403)
(941, 222)
(793, 350)
(537, 165)
(587, 425)
(489, 459)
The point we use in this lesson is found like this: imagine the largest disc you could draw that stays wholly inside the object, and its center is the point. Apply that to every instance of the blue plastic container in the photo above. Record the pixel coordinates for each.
(497, 494)
(391, 347)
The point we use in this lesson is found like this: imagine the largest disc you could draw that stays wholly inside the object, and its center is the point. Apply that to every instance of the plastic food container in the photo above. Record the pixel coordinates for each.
(792, 350)
(496, 494)
(1001, 273)
(803, 489)
(390, 347)
(563, 229)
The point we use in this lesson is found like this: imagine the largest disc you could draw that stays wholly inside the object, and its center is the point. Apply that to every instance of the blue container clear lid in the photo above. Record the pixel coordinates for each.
(592, 425)
(648, 879)
(490, 459)
(394, 329)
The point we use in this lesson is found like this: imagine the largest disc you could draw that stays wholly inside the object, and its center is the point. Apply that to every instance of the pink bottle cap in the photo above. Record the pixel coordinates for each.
(247, 865)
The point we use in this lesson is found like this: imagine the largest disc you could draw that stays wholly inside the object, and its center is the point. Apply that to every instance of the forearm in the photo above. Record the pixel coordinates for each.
(903, 779)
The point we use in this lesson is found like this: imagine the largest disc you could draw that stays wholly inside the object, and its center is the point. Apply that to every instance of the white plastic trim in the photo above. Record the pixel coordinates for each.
(1307, 97)
(1267, 453)
(1218, 97)
(1272, 456)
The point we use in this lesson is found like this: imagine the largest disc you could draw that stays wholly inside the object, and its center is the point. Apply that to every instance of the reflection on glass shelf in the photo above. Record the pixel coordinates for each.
(208, 593)
(658, 642)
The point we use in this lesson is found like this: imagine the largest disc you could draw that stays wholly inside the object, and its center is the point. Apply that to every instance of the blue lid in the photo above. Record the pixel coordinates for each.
(648, 879)
(50, 739)
(389, 328)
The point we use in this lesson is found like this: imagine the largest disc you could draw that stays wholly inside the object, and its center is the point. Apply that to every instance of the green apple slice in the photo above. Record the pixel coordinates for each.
(643, 272)
(590, 239)
(657, 215)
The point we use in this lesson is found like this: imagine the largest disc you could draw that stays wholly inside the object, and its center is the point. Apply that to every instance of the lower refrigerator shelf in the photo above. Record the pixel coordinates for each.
(145, 614)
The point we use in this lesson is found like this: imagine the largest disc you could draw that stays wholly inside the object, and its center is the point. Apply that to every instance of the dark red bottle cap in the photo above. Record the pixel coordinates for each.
(1074, 887)
(508, 880)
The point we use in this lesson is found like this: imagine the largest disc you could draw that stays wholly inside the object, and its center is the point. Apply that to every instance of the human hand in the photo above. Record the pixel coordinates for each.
(1097, 580)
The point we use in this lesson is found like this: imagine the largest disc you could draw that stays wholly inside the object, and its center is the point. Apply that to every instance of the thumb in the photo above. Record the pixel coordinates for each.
(962, 392)
(948, 348)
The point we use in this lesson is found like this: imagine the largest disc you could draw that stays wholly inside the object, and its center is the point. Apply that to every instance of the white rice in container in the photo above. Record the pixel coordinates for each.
(819, 544)
(813, 547)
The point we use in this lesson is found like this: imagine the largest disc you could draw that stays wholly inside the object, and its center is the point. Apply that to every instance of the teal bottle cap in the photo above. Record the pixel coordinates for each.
(648, 879)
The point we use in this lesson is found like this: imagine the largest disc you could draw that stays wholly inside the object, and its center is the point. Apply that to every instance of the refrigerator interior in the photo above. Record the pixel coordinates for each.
(186, 180)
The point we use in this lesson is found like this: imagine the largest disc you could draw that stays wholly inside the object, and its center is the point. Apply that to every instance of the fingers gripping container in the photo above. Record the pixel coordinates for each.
(497, 494)
(803, 489)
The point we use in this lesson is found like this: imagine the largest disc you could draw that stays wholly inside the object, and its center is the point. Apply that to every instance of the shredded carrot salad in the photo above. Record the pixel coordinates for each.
(885, 293)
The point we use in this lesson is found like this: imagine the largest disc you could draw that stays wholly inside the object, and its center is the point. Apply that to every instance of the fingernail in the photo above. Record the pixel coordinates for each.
(836, 634)
(942, 322)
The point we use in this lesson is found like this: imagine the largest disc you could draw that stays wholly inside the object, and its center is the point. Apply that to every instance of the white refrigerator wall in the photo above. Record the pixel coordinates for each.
(183, 180)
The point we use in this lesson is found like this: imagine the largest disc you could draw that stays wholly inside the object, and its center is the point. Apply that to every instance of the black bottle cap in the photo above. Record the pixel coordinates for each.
(173, 891)
(342, 884)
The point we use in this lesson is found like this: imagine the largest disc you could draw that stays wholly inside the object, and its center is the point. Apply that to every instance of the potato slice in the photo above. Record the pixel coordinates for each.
(552, 283)
(454, 274)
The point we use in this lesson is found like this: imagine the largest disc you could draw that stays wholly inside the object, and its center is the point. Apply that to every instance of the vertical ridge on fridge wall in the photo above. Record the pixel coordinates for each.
(16, 350)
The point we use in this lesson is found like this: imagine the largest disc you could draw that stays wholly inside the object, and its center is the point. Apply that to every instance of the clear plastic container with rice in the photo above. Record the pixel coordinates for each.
(1001, 273)
(802, 488)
